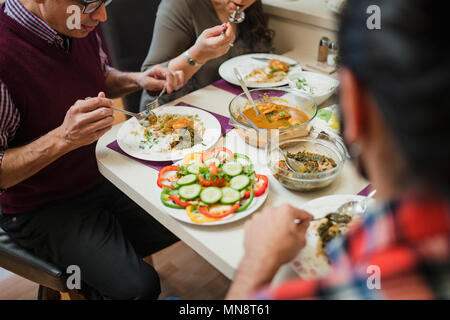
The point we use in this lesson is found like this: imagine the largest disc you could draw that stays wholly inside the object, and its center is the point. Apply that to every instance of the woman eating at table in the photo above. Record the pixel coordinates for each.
(395, 89)
(195, 36)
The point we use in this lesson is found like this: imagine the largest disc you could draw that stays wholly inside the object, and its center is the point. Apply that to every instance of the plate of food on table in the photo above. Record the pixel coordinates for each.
(260, 70)
(212, 187)
(312, 261)
(177, 131)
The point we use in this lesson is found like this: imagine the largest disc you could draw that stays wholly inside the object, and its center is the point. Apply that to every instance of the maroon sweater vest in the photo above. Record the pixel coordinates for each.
(44, 82)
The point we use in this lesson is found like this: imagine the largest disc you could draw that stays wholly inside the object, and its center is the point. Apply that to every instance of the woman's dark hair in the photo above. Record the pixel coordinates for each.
(254, 30)
(405, 66)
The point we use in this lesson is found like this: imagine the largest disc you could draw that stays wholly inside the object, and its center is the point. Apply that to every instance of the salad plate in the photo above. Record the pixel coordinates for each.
(212, 188)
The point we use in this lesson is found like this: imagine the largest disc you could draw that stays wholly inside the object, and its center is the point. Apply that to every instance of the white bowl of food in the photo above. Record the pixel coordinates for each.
(320, 87)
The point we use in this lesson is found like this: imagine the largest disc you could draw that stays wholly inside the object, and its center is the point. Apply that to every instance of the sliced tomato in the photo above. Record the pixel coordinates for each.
(218, 182)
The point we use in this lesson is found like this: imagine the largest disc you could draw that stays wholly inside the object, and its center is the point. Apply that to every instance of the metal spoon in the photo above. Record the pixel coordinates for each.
(328, 216)
(245, 89)
(353, 208)
(259, 131)
(237, 16)
(350, 208)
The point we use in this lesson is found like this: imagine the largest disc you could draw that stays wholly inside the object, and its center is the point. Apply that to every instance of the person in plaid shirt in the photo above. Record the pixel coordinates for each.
(394, 89)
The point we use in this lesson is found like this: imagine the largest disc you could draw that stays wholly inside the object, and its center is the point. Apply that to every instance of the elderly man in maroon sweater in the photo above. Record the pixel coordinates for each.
(53, 199)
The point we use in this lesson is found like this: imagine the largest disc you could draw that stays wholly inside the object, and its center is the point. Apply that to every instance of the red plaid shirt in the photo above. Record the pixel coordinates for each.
(406, 243)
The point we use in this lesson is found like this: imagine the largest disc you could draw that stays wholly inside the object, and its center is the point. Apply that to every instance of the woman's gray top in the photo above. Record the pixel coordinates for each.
(178, 25)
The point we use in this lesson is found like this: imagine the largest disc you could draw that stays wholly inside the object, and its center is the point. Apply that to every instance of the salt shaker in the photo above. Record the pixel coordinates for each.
(332, 53)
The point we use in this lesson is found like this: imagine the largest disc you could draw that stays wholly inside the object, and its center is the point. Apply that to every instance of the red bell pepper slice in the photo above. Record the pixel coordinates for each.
(204, 211)
(260, 188)
(178, 201)
(162, 178)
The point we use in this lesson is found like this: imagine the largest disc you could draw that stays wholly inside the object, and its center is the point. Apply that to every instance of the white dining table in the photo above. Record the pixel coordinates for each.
(222, 246)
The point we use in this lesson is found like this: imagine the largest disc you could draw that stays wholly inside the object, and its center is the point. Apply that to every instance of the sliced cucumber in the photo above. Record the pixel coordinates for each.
(232, 168)
(211, 195)
(239, 182)
(230, 195)
(217, 161)
(194, 167)
(189, 179)
(243, 159)
(190, 192)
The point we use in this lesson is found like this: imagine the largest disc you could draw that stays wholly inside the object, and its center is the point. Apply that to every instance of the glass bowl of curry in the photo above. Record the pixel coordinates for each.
(279, 112)
(318, 162)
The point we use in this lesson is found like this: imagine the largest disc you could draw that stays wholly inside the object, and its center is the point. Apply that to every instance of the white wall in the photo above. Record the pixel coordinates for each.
(299, 25)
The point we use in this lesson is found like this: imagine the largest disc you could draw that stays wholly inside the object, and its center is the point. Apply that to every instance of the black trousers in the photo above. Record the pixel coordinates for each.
(102, 232)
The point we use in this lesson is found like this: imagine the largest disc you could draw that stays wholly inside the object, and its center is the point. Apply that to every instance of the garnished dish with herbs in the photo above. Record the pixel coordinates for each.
(313, 163)
(276, 71)
(313, 86)
(171, 131)
(212, 186)
(309, 162)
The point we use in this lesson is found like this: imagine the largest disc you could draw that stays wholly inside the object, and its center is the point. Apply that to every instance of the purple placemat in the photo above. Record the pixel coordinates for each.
(224, 85)
(365, 192)
(157, 165)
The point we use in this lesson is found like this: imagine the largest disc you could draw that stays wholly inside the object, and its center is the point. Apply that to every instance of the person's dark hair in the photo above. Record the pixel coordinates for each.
(405, 66)
(254, 29)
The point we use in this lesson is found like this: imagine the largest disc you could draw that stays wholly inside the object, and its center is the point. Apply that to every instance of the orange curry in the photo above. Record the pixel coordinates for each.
(275, 116)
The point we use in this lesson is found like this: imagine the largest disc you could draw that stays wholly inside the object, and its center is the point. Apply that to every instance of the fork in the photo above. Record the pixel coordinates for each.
(147, 113)
(152, 105)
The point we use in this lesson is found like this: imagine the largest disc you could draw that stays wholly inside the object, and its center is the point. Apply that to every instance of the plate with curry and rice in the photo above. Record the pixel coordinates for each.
(178, 131)
(260, 70)
(312, 261)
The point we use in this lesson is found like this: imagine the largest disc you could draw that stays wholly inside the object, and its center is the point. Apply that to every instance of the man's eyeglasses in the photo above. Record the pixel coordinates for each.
(91, 6)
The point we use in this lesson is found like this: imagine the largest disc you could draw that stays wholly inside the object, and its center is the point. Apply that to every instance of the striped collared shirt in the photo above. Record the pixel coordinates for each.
(9, 114)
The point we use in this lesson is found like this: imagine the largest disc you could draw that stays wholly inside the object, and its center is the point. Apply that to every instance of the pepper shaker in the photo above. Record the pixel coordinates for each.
(323, 49)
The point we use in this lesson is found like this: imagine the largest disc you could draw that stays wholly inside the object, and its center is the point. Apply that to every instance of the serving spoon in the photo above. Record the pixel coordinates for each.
(245, 89)
(287, 160)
